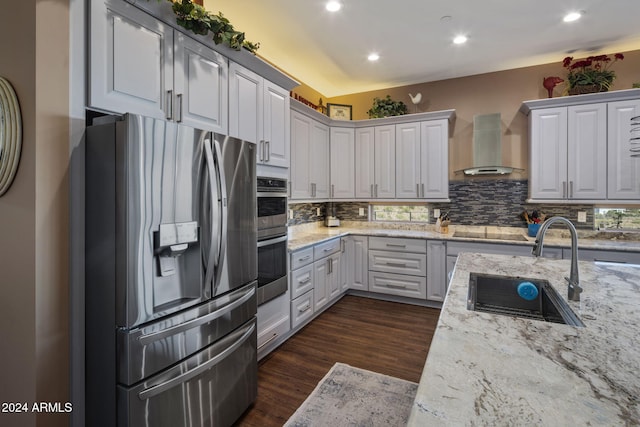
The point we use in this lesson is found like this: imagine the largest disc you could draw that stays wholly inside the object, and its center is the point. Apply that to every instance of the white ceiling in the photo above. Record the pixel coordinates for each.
(328, 51)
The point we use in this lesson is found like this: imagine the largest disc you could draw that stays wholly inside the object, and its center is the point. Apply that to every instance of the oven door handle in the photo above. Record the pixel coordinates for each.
(272, 241)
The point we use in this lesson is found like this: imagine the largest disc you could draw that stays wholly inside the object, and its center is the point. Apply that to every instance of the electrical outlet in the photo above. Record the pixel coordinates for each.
(361, 212)
(582, 216)
(436, 213)
(317, 211)
(290, 213)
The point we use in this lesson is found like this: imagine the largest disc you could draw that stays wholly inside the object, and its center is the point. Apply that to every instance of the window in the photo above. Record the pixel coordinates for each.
(405, 213)
(617, 219)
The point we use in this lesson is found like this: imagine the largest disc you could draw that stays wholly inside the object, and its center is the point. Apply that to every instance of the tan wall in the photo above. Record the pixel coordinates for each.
(500, 92)
(33, 214)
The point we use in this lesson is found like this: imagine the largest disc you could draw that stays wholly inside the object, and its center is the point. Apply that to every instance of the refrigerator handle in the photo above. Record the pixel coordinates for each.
(160, 388)
(222, 241)
(215, 214)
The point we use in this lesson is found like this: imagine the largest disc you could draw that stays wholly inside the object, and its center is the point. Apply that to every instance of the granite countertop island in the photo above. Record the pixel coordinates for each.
(488, 369)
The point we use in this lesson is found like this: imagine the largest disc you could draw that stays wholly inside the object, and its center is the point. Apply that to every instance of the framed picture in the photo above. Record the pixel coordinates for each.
(339, 111)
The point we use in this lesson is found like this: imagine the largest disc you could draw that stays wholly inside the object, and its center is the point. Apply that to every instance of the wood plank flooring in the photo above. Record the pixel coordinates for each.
(380, 336)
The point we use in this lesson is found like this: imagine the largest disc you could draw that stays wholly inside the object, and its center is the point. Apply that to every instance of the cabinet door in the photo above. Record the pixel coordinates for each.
(342, 151)
(334, 276)
(548, 153)
(436, 270)
(434, 159)
(385, 162)
(347, 262)
(319, 160)
(320, 283)
(245, 105)
(276, 125)
(300, 153)
(201, 85)
(408, 161)
(360, 263)
(130, 59)
(364, 162)
(623, 170)
(587, 152)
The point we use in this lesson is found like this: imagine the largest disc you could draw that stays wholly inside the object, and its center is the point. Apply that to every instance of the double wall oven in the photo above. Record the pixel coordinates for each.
(272, 238)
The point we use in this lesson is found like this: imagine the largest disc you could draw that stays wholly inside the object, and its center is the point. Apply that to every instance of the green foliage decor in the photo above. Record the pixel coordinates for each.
(386, 107)
(195, 18)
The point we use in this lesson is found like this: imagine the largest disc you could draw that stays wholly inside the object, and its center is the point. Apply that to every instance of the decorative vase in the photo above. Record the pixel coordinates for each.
(582, 89)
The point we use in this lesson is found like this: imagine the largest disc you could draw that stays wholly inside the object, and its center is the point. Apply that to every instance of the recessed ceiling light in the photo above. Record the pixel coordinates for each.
(573, 16)
(373, 57)
(460, 39)
(333, 6)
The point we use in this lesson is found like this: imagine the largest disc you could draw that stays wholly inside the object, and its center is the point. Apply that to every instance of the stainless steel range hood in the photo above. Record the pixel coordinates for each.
(487, 146)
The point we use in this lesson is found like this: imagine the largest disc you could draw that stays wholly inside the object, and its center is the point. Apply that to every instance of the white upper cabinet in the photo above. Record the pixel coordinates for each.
(434, 156)
(568, 153)
(259, 112)
(548, 153)
(580, 147)
(200, 85)
(364, 162)
(309, 158)
(422, 160)
(623, 170)
(408, 161)
(140, 65)
(384, 186)
(342, 152)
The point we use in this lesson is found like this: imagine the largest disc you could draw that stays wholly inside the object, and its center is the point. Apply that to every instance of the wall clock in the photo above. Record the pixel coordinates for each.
(10, 134)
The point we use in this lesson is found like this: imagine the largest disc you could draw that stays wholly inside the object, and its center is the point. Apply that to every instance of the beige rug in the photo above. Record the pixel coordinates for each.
(349, 396)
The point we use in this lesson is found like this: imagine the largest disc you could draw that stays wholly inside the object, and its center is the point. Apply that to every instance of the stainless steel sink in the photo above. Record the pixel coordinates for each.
(499, 295)
(485, 235)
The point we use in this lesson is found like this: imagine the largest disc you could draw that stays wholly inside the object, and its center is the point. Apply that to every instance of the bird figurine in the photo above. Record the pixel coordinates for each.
(416, 99)
(549, 83)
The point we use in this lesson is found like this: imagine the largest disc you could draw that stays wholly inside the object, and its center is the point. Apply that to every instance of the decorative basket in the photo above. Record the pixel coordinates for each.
(582, 89)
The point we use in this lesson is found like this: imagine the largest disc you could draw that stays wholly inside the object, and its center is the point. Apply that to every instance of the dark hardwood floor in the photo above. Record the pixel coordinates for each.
(385, 337)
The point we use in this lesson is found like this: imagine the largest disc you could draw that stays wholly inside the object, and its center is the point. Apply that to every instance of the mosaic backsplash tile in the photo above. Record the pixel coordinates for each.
(475, 202)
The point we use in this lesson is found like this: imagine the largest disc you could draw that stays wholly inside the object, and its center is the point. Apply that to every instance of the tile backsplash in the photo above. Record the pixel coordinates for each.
(475, 202)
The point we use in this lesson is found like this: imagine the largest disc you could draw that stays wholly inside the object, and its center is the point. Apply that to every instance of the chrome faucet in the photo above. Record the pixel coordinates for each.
(574, 281)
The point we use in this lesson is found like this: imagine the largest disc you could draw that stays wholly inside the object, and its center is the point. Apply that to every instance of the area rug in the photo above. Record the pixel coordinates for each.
(349, 396)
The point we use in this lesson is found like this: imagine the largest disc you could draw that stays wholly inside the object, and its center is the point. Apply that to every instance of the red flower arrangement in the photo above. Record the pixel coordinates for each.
(592, 71)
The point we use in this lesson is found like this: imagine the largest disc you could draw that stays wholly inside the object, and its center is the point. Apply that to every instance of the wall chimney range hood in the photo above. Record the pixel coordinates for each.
(487, 147)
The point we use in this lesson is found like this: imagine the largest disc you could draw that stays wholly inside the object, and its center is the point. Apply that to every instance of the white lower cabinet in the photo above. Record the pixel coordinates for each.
(316, 279)
(398, 266)
(354, 264)
(436, 270)
(273, 323)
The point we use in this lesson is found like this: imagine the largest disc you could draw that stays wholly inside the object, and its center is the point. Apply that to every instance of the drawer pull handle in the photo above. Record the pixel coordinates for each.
(394, 245)
(396, 264)
(273, 337)
(329, 249)
(306, 280)
(304, 258)
(389, 285)
(305, 308)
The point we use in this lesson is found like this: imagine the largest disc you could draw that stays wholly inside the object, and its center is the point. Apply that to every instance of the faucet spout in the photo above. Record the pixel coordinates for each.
(573, 280)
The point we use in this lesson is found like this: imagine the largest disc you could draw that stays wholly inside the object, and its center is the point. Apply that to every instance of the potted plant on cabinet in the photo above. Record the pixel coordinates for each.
(386, 107)
(592, 74)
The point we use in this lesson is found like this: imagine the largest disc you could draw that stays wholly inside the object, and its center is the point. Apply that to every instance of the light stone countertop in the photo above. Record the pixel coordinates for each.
(488, 369)
(306, 235)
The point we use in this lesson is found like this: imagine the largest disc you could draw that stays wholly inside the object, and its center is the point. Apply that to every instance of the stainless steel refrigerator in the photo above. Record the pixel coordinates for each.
(171, 269)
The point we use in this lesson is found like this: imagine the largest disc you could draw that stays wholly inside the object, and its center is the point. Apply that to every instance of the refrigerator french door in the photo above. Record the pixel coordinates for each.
(171, 274)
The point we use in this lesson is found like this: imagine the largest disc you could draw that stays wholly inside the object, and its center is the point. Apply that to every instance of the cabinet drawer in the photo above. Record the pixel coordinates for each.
(398, 284)
(595, 255)
(301, 281)
(273, 332)
(322, 250)
(301, 309)
(395, 244)
(301, 257)
(398, 262)
(454, 248)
